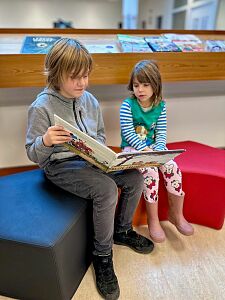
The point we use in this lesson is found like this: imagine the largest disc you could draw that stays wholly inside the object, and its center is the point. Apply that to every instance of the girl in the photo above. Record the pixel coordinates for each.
(143, 127)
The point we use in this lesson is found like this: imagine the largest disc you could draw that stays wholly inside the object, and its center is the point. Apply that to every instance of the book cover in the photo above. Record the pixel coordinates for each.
(215, 45)
(108, 160)
(189, 46)
(102, 48)
(160, 44)
(38, 44)
(133, 43)
(182, 37)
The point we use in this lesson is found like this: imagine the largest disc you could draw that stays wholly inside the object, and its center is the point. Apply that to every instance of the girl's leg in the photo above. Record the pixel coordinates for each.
(173, 182)
(150, 192)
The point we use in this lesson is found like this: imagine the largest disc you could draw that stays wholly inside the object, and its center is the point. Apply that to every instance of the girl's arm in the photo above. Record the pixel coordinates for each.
(161, 131)
(127, 128)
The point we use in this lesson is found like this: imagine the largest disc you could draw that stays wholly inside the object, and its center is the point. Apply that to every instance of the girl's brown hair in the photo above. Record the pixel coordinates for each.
(67, 56)
(147, 71)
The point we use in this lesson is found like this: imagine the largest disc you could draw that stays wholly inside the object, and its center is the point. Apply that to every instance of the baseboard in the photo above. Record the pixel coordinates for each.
(12, 170)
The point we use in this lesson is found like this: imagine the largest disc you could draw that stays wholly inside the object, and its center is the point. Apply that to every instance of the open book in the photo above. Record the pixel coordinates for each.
(108, 160)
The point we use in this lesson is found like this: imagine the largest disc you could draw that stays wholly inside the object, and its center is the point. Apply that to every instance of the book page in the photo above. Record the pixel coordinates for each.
(87, 147)
(143, 159)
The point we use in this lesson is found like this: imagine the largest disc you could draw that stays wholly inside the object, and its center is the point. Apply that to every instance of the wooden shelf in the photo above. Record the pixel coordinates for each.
(26, 70)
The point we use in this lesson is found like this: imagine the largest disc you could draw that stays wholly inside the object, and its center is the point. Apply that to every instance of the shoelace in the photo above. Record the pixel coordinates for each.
(139, 240)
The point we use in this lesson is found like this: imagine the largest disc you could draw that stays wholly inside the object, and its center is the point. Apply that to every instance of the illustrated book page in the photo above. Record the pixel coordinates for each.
(108, 160)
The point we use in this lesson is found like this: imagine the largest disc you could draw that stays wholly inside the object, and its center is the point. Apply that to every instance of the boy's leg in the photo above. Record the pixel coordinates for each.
(81, 179)
(131, 184)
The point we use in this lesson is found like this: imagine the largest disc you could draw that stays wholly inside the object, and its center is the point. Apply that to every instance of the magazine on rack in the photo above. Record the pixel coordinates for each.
(38, 44)
(108, 160)
(161, 44)
(133, 43)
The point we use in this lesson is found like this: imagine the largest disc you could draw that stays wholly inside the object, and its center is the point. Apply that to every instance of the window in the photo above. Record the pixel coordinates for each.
(179, 3)
(179, 20)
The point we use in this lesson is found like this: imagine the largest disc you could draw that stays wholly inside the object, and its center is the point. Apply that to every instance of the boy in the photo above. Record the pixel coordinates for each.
(67, 66)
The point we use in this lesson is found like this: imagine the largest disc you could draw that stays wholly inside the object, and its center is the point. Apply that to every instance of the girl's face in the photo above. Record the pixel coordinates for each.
(143, 92)
(73, 87)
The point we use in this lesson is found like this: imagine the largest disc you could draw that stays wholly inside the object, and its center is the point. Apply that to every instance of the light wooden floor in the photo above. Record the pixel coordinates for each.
(182, 268)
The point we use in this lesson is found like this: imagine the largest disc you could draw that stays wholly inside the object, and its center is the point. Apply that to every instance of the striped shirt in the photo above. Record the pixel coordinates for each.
(128, 130)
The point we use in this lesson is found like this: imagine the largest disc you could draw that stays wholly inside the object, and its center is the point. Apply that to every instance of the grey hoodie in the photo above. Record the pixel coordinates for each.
(83, 113)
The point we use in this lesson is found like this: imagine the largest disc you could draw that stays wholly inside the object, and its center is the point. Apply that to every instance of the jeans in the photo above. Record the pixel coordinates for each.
(80, 178)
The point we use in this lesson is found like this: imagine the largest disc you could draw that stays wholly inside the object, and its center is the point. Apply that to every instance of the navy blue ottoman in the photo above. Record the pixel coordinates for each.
(45, 238)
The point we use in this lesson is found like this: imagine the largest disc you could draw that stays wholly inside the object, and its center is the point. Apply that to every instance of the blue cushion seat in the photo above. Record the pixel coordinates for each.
(45, 238)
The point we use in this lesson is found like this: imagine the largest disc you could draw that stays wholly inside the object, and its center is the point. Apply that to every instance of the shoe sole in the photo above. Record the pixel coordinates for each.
(109, 296)
(146, 251)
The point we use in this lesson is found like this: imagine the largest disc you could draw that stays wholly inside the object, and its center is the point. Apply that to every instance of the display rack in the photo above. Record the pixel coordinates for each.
(26, 70)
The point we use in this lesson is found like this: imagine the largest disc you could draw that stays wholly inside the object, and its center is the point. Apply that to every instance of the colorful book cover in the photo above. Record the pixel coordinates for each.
(133, 43)
(38, 44)
(189, 46)
(182, 37)
(160, 44)
(108, 160)
(215, 45)
(102, 48)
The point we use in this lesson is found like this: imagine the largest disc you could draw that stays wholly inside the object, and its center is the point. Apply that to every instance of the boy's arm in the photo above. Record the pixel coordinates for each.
(38, 124)
(161, 132)
(127, 128)
(101, 128)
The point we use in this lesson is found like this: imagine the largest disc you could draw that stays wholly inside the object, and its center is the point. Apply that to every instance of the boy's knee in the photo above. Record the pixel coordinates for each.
(135, 178)
(108, 190)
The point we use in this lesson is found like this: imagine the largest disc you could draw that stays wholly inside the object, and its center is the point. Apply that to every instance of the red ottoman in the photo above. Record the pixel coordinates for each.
(203, 169)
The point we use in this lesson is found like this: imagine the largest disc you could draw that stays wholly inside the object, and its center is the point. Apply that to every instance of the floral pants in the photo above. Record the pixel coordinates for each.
(172, 179)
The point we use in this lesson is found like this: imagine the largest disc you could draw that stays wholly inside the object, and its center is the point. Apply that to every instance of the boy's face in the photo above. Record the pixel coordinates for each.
(74, 87)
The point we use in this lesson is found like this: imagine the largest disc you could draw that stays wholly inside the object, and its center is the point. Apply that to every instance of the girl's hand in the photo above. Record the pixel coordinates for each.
(148, 149)
(56, 135)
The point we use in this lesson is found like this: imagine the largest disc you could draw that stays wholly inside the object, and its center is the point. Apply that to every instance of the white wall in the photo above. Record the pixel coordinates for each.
(86, 13)
(195, 112)
(42, 13)
(220, 25)
(150, 10)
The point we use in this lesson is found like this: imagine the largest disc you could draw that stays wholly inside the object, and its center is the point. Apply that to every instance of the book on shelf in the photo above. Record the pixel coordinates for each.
(38, 44)
(108, 160)
(161, 44)
(102, 48)
(189, 46)
(215, 45)
(181, 37)
(132, 44)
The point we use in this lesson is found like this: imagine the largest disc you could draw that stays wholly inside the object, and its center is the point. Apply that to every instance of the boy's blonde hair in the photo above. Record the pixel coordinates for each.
(67, 56)
(147, 71)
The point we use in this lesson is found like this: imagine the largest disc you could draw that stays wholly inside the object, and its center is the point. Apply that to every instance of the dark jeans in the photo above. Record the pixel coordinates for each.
(84, 180)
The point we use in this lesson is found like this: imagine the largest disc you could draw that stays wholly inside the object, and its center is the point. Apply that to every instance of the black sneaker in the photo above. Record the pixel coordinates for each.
(135, 241)
(106, 280)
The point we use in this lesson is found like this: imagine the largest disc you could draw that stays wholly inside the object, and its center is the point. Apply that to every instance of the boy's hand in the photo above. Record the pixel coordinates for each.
(56, 135)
